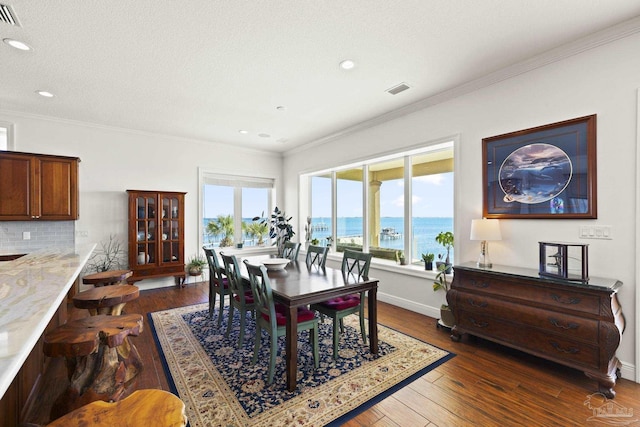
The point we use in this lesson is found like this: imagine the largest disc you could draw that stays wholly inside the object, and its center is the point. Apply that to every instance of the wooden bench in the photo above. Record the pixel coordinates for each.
(101, 362)
(141, 408)
(107, 278)
(106, 299)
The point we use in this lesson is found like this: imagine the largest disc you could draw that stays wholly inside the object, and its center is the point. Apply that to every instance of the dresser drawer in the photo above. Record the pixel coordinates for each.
(549, 296)
(577, 328)
(532, 340)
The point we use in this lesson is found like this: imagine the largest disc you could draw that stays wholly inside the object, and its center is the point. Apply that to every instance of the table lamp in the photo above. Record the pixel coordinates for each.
(485, 230)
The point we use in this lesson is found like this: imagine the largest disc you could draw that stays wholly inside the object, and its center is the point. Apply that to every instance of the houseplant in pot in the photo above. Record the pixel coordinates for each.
(445, 238)
(280, 231)
(195, 265)
(441, 283)
(428, 261)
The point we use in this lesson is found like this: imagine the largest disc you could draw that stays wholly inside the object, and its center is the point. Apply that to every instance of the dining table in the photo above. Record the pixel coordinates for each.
(297, 285)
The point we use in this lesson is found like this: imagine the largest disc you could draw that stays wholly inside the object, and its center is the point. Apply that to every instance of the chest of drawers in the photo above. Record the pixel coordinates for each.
(575, 324)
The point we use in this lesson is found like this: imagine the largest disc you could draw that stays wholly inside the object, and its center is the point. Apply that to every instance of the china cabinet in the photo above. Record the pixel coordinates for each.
(38, 187)
(573, 323)
(156, 235)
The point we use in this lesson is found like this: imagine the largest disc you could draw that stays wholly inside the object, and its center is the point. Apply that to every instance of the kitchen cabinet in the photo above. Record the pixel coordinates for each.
(38, 187)
(576, 324)
(156, 235)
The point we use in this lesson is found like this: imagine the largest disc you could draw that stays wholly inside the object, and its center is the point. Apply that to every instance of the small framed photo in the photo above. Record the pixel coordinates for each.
(543, 172)
(569, 261)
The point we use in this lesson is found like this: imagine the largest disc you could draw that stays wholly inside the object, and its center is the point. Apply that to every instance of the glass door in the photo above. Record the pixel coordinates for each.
(146, 230)
(171, 237)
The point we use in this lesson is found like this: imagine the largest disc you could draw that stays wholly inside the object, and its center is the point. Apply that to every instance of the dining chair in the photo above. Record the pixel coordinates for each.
(290, 250)
(356, 265)
(218, 283)
(317, 255)
(272, 318)
(240, 297)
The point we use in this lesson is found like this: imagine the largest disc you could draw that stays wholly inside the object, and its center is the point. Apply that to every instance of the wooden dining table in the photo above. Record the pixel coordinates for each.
(298, 286)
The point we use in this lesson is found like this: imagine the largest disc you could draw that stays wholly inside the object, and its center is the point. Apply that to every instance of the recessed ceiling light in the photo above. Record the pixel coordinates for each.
(347, 64)
(44, 93)
(244, 132)
(17, 44)
(264, 135)
(281, 108)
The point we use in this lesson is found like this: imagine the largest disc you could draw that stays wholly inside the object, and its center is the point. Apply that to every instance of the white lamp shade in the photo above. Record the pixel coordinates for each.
(485, 229)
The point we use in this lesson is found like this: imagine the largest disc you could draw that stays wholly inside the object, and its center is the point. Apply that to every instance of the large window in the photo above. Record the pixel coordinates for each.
(369, 203)
(229, 203)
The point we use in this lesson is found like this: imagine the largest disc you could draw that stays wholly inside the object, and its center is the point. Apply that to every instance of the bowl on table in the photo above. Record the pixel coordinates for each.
(275, 263)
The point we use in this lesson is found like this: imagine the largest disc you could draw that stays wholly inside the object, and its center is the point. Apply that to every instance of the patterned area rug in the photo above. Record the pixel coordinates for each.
(220, 386)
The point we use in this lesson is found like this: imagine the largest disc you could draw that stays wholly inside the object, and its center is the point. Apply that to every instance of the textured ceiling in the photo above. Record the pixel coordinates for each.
(205, 69)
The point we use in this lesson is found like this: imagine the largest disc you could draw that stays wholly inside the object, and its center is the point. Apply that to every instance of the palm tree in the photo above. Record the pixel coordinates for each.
(256, 229)
(222, 225)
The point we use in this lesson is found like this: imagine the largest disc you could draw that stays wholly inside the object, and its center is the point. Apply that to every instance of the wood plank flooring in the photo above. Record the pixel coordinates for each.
(484, 385)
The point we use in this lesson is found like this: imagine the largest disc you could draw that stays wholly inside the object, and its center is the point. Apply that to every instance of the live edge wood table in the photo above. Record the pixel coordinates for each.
(575, 324)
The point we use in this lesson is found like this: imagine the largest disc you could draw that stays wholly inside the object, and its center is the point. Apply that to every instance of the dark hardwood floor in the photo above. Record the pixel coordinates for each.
(484, 385)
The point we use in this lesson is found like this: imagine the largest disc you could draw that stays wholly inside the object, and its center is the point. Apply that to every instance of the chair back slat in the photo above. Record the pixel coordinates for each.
(262, 294)
(215, 270)
(290, 250)
(356, 264)
(317, 255)
(234, 277)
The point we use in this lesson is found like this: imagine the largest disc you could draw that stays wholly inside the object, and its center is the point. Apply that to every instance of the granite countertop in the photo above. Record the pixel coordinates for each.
(31, 290)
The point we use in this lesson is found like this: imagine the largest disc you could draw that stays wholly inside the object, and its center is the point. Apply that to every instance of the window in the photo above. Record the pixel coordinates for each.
(229, 203)
(380, 188)
(6, 136)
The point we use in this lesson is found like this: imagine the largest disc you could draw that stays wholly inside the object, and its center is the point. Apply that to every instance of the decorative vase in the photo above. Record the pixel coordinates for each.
(142, 258)
(428, 265)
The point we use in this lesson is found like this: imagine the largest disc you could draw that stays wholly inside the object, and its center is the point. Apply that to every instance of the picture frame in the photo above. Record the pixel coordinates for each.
(543, 172)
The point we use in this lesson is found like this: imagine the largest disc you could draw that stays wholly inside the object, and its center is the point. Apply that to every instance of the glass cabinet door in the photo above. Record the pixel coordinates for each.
(170, 230)
(146, 230)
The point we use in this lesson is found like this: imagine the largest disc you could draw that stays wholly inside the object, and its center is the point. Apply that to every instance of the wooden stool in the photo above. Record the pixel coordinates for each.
(101, 362)
(141, 408)
(106, 278)
(107, 299)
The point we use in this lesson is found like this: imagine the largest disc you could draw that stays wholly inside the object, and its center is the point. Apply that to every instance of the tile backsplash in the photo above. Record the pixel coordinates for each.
(43, 234)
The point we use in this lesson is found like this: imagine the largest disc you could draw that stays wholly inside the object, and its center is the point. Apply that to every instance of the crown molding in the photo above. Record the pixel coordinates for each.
(592, 41)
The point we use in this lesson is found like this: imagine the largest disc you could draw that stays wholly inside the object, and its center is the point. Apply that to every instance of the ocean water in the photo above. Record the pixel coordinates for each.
(425, 230)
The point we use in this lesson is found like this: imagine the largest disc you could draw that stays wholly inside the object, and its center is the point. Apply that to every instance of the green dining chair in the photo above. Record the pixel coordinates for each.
(355, 265)
(290, 250)
(240, 296)
(272, 318)
(218, 283)
(317, 256)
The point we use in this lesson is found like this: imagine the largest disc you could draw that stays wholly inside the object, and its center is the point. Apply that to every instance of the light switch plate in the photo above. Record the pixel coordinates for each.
(602, 232)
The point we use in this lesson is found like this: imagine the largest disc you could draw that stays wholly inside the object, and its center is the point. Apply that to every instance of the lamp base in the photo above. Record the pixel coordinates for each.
(484, 261)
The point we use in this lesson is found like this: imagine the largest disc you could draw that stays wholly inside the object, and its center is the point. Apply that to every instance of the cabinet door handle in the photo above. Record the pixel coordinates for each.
(480, 304)
(480, 285)
(570, 350)
(557, 324)
(572, 300)
(478, 324)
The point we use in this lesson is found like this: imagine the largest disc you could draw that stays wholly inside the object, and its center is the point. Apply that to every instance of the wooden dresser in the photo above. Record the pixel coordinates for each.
(576, 324)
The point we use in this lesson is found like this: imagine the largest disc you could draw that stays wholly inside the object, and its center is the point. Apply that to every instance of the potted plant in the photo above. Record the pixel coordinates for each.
(445, 238)
(195, 265)
(400, 257)
(441, 283)
(428, 260)
(279, 228)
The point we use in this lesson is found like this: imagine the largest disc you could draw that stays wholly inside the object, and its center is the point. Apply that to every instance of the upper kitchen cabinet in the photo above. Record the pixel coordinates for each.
(38, 187)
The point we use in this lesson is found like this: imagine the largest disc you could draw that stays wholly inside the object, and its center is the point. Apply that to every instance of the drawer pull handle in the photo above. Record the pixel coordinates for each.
(557, 324)
(480, 285)
(481, 304)
(479, 324)
(570, 350)
(572, 300)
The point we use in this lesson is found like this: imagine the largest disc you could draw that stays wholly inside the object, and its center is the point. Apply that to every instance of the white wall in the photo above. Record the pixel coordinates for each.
(114, 160)
(601, 81)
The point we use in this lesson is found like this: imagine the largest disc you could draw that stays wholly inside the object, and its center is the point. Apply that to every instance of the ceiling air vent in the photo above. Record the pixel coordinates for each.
(398, 88)
(7, 16)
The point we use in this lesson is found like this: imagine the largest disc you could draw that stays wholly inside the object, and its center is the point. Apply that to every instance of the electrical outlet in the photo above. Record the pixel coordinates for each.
(82, 233)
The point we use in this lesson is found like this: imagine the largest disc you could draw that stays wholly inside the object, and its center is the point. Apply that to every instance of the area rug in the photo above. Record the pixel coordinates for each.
(220, 386)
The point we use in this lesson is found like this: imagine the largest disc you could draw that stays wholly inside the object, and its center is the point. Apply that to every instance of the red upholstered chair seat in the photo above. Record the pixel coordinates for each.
(225, 283)
(342, 303)
(248, 297)
(281, 315)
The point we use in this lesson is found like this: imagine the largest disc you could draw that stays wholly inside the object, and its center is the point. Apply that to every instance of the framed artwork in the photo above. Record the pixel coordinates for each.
(543, 172)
